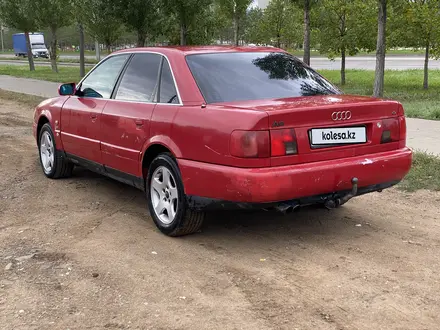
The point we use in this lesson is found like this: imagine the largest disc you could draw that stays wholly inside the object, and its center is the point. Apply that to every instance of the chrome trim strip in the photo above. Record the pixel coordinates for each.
(80, 137)
(145, 102)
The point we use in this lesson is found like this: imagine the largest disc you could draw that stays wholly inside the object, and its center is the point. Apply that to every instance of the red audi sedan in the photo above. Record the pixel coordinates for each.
(208, 128)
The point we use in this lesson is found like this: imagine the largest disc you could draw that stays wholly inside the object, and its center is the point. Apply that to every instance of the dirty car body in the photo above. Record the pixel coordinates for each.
(245, 127)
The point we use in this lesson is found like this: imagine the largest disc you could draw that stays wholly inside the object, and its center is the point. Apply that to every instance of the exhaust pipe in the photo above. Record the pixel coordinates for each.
(330, 204)
(286, 208)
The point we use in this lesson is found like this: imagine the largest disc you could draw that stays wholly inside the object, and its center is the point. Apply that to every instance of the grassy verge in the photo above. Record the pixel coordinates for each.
(28, 100)
(392, 52)
(87, 52)
(424, 174)
(39, 59)
(65, 74)
(404, 86)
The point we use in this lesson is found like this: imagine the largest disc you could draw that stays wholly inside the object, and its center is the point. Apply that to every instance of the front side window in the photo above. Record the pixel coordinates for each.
(101, 81)
(139, 82)
(229, 77)
(167, 91)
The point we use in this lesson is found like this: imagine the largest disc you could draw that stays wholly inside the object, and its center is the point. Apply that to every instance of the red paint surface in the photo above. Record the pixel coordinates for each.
(118, 134)
(261, 185)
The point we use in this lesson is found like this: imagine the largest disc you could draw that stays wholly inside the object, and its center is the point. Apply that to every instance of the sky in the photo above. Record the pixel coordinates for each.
(261, 3)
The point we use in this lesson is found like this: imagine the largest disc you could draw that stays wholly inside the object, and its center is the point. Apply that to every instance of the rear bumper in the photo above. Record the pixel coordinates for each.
(285, 183)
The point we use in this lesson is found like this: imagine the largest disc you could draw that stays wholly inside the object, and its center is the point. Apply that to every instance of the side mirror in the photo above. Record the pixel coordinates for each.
(67, 89)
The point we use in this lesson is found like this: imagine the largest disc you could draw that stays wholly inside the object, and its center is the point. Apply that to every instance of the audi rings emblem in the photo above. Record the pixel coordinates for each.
(341, 115)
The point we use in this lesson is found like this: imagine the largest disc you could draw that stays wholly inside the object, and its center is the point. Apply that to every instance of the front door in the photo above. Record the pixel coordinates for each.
(125, 121)
(81, 114)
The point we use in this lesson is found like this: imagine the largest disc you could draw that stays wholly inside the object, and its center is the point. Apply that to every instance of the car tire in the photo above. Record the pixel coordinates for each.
(167, 201)
(52, 161)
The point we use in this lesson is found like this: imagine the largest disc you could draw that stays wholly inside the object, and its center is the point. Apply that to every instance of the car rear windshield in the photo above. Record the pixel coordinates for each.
(228, 77)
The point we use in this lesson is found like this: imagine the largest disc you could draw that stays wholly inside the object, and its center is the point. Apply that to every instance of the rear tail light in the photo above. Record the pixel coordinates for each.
(283, 142)
(390, 130)
(250, 144)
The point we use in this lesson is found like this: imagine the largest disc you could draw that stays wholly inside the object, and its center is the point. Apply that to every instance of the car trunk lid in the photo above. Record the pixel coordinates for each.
(329, 126)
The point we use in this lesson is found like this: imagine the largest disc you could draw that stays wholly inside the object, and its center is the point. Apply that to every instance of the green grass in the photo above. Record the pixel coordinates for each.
(424, 174)
(65, 74)
(404, 86)
(401, 52)
(60, 60)
(87, 52)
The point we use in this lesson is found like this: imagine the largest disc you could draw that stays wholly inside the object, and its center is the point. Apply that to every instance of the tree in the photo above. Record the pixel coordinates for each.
(20, 14)
(254, 31)
(82, 60)
(223, 30)
(185, 13)
(306, 5)
(379, 76)
(140, 16)
(53, 14)
(101, 21)
(417, 24)
(280, 23)
(345, 26)
(78, 14)
(236, 11)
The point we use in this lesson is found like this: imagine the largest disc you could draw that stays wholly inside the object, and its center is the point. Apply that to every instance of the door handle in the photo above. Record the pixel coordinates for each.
(139, 122)
(93, 117)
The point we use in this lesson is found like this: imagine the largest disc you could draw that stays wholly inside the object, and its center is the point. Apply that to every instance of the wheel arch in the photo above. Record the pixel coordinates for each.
(154, 148)
(42, 120)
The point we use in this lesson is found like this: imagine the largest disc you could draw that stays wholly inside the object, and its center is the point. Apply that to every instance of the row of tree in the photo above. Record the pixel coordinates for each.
(345, 27)
(335, 27)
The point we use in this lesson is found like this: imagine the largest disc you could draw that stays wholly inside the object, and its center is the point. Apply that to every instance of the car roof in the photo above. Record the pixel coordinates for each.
(191, 50)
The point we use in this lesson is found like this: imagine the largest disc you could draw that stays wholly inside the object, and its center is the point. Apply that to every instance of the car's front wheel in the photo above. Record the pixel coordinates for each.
(53, 163)
(167, 200)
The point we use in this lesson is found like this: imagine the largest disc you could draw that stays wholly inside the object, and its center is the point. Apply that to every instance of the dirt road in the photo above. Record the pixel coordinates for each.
(83, 254)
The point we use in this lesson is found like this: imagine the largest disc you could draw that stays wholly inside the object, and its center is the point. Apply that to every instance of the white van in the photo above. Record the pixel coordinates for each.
(38, 46)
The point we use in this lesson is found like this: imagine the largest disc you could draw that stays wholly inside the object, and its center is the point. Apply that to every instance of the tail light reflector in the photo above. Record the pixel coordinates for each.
(250, 144)
(283, 142)
(390, 130)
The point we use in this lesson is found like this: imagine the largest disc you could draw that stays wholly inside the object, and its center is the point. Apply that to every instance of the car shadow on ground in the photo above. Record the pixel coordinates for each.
(305, 221)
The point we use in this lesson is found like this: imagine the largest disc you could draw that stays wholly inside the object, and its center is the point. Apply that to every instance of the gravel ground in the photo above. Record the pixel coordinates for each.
(82, 253)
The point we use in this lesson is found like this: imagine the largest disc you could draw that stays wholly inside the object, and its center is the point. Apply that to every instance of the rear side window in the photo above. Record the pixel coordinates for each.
(228, 77)
(101, 81)
(168, 92)
(139, 82)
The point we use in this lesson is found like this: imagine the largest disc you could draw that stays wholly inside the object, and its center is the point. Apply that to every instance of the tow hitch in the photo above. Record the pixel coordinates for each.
(334, 203)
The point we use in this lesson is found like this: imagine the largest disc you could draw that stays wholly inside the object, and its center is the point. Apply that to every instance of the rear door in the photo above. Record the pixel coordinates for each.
(81, 114)
(126, 117)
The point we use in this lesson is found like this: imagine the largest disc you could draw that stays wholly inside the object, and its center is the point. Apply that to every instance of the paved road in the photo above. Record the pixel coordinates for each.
(319, 63)
(422, 134)
(29, 86)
